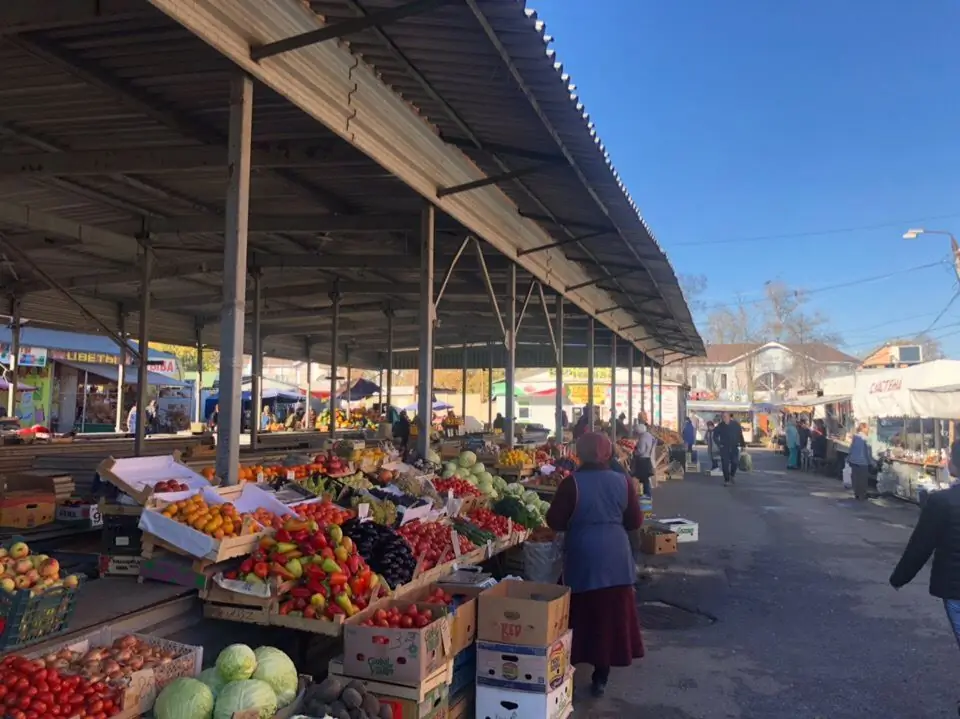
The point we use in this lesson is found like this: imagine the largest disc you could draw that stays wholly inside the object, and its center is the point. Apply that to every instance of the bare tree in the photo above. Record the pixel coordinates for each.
(693, 287)
(736, 324)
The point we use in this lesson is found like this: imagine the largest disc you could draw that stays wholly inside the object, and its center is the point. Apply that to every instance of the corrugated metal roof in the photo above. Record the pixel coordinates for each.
(72, 341)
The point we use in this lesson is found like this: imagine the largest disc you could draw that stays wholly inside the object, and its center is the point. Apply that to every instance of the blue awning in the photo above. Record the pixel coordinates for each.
(110, 372)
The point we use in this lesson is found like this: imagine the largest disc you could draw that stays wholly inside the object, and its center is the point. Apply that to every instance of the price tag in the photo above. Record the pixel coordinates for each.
(291, 476)
(96, 519)
(489, 549)
(260, 477)
(363, 512)
(455, 538)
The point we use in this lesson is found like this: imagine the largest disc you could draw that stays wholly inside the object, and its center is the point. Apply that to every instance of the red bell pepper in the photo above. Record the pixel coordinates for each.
(338, 579)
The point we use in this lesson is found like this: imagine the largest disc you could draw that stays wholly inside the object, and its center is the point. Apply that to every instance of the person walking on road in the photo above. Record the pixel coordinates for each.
(689, 434)
(711, 446)
(597, 509)
(860, 460)
(641, 464)
(729, 438)
(937, 533)
(793, 444)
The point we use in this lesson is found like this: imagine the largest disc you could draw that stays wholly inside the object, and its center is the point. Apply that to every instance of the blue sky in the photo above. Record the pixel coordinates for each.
(753, 118)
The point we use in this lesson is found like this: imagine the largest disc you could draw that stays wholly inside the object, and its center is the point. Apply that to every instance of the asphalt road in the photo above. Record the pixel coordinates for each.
(796, 618)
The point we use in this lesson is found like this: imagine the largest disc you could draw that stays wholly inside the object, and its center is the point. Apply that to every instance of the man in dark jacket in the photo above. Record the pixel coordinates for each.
(728, 436)
(937, 533)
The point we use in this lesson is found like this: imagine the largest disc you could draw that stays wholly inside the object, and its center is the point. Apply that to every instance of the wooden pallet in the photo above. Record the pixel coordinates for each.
(153, 547)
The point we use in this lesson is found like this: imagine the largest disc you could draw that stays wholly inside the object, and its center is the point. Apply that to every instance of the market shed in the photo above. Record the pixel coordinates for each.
(335, 180)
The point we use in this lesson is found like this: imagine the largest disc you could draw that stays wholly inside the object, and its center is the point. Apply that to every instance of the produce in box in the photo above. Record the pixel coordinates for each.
(34, 688)
(384, 549)
(21, 570)
(432, 542)
(335, 697)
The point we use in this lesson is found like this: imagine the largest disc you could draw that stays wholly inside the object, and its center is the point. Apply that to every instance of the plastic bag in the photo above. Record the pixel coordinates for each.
(746, 462)
(543, 561)
(847, 476)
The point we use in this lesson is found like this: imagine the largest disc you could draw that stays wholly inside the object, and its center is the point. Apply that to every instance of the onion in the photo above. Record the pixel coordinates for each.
(136, 663)
(50, 659)
(128, 641)
(109, 667)
(123, 656)
(113, 676)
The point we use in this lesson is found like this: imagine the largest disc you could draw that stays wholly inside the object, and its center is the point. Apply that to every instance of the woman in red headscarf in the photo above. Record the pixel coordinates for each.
(598, 510)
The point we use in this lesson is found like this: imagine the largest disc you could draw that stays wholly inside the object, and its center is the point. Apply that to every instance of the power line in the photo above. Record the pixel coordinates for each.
(813, 233)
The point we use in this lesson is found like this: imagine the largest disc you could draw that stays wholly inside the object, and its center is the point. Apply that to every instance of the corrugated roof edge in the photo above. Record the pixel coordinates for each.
(540, 26)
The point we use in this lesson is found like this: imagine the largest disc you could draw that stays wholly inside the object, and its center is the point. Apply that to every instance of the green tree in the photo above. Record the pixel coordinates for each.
(187, 357)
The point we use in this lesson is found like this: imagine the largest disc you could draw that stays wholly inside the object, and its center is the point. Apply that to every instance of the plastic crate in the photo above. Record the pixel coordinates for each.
(121, 535)
(26, 619)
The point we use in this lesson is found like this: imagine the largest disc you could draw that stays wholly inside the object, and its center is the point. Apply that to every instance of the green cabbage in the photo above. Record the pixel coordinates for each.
(467, 459)
(184, 698)
(485, 478)
(246, 694)
(211, 677)
(278, 670)
(531, 497)
(433, 457)
(544, 507)
(448, 472)
(478, 468)
(236, 662)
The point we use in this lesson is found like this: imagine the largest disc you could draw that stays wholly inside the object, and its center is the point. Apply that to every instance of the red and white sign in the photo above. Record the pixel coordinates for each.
(927, 390)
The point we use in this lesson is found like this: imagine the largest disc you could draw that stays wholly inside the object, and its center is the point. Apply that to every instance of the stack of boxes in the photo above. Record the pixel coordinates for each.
(523, 652)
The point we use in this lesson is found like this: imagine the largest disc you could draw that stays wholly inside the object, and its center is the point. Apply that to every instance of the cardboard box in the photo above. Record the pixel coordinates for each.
(526, 613)
(500, 703)
(141, 692)
(463, 630)
(119, 566)
(687, 530)
(461, 706)
(464, 671)
(399, 656)
(658, 541)
(82, 515)
(136, 476)
(513, 666)
(27, 509)
(427, 700)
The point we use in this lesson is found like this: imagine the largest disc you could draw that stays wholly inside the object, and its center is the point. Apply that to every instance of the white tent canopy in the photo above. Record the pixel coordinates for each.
(931, 389)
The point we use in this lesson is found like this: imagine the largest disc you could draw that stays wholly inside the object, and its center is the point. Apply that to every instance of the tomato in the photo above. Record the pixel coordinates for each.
(95, 706)
(39, 707)
(406, 622)
(22, 683)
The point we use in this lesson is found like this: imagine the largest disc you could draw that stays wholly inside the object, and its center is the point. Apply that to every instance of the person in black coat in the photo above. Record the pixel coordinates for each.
(728, 436)
(937, 533)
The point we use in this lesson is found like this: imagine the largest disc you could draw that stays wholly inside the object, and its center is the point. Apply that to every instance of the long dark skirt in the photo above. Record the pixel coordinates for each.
(606, 628)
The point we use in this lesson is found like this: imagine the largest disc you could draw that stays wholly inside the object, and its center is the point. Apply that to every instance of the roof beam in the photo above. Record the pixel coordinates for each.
(46, 222)
(292, 224)
(492, 148)
(17, 16)
(173, 159)
(335, 31)
(491, 180)
(567, 224)
(560, 243)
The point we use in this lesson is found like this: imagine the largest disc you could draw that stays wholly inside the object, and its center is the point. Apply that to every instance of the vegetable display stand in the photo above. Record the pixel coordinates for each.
(27, 619)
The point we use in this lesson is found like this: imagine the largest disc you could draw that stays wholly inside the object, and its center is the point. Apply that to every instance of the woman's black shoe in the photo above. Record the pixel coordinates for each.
(597, 689)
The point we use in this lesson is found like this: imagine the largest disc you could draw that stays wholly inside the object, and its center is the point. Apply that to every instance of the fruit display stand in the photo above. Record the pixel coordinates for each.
(138, 477)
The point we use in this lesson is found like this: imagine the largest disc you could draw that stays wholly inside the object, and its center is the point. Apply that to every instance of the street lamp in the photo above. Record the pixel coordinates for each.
(915, 232)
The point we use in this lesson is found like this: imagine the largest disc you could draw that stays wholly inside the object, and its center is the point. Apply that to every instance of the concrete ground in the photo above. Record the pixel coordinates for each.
(794, 572)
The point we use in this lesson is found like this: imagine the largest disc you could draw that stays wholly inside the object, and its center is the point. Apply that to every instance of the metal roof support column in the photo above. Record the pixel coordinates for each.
(463, 398)
(334, 342)
(346, 359)
(199, 385)
(630, 418)
(613, 388)
(489, 387)
(660, 394)
(510, 344)
(591, 347)
(428, 313)
(14, 357)
(389, 313)
(643, 385)
(380, 387)
(256, 383)
(234, 278)
(121, 369)
(143, 345)
(558, 345)
(308, 350)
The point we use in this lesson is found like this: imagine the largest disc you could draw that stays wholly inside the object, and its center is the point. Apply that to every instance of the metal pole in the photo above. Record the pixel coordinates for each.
(121, 370)
(613, 388)
(591, 347)
(489, 387)
(14, 358)
(144, 347)
(463, 399)
(256, 381)
(334, 340)
(234, 278)
(559, 340)
(510, 345)
(630, 352)
(83, 407)
(346, 358)
(660, 396)
(427, 319)
(643, 385)
(389, 358)
(308, 347)
(199, 386)
(380, 389)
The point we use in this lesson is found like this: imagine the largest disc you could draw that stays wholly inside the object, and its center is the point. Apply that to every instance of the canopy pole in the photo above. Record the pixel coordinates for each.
(234, 278)
(346, 359)
(144, 347)
(490, 387)
(613, 388)
(630, 418)
(83, 406)
(14, 384)
(463, 398)
(510, 343)
(198, 388)
(643, 386)
(334, 342)
(660, 394)
(121, 369)
(427, 319)
(256, 383)
(389, 358)
(308, 350)
(591, 348)
(559, 353)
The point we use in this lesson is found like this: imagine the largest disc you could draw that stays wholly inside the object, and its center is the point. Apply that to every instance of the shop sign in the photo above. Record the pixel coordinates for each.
(164, 366)
(29, 356)
(85, 357)
(579, 394)
(886, 385)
